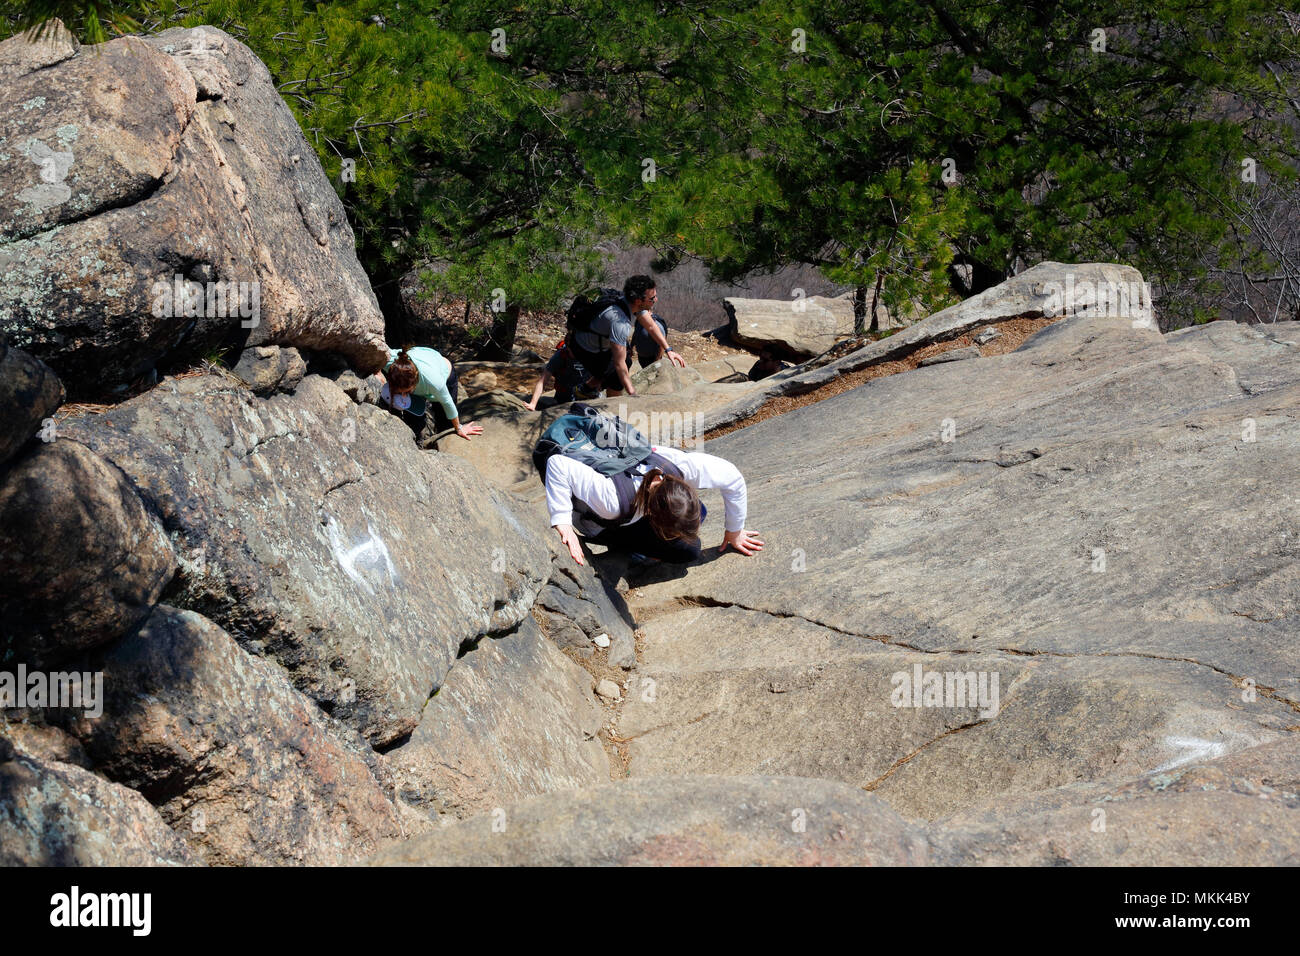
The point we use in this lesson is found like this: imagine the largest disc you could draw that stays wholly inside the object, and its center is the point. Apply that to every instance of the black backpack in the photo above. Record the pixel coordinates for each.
(586, 307)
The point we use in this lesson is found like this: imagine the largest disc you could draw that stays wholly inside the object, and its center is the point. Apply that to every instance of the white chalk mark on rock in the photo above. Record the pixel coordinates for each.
(1194, 749)
(363, 560)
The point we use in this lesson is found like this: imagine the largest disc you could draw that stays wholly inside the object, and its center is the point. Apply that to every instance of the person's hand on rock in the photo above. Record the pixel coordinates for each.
(571, 541)
(745, 542)
(469, 430)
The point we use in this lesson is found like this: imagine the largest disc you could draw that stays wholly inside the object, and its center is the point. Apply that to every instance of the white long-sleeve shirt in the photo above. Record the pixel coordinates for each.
(567, 480)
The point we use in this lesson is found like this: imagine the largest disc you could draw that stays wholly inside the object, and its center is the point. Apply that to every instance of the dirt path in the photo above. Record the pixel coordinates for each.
(1012, 333)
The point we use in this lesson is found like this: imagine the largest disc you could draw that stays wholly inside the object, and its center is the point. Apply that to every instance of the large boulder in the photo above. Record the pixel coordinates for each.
(1054, 516)
(503, 454)
(81, 561)
(515, 718)
(108, 159)
(29, 393)
(315, 532)
(247, 769)
(51, 44)
(679, 821)
(794, 328)
(269, 368)
(56, 814)
(1262, 357)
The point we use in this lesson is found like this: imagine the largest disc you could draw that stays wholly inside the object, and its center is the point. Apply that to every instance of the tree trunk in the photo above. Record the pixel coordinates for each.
(875, 302)
(860, 311)
(500, 344)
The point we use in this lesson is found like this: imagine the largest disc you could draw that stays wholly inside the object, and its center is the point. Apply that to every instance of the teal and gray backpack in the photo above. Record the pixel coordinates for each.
(606, 443)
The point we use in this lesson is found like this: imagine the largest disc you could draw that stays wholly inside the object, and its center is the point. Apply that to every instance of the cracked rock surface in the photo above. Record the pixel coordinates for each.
(1095, 531)
(315, 532)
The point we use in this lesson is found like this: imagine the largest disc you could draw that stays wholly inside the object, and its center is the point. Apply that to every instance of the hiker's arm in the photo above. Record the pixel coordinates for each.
(619, 356)
(710, 471)
(543, 383)
(568, 480)
(442, 395)
(745, 542)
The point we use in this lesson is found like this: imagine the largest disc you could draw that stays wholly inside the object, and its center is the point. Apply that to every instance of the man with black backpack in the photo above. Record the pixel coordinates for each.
(603, 328)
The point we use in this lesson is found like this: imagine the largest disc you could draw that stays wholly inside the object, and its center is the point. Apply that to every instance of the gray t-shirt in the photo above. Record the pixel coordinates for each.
(614, 326)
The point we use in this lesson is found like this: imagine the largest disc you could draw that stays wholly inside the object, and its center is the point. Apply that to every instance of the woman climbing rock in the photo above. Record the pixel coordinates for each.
(412, 377)
(605, 482)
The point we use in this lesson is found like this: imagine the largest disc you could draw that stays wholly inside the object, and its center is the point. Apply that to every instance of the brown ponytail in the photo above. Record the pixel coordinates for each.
(672, 506)
(402, 375)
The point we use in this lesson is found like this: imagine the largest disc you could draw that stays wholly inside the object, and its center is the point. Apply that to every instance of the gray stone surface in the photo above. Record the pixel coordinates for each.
(29, 393)
(85, 132)
(1238, 810)
(503, 453)
(245, 768)
(108, 160)
(952, 355)
(54, 45)
(515, 718)
(363, 391)
(679, 821)
(58, 814)
(80, 559)
(1057, 515)
(742, 692)
(316, 533)
(1263, 357)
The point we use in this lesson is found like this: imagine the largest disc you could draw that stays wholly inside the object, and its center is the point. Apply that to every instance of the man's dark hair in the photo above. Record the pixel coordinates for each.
(636, 287)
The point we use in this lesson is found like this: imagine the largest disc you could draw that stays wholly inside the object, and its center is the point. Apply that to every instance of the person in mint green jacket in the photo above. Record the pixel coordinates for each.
(420, 385)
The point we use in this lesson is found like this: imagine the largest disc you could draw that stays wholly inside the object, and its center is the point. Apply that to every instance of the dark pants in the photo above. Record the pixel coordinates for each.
(640, 538)
(646, 348)
(598, 365)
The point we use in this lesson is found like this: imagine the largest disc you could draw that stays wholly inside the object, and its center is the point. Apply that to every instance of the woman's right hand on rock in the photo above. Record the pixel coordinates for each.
(572, 541)
(469, 430)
